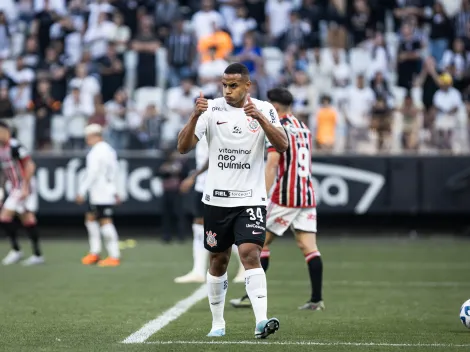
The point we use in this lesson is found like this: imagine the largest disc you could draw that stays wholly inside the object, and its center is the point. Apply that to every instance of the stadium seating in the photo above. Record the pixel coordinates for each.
(399, 94)
(24, 124)
(273, 57)
(360, 60)
(149, 95)
(59, 133)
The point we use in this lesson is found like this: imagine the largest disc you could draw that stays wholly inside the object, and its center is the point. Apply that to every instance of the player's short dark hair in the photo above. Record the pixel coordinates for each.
(281, 96)
(4, 125)
(237, 69)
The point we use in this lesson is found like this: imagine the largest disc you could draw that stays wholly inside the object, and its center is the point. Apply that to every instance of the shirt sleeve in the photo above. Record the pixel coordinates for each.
(92, 169)
(202, 124)
(271, 115)
(20, 153)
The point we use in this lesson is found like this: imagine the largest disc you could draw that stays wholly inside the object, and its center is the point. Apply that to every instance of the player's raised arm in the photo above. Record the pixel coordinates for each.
(274, 131)
(187, 138)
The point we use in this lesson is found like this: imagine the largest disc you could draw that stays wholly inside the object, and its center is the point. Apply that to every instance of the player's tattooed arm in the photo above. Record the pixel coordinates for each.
(276, 135)
(187, 139)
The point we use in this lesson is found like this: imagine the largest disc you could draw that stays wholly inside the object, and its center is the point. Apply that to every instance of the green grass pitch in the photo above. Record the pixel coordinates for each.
(380, 296)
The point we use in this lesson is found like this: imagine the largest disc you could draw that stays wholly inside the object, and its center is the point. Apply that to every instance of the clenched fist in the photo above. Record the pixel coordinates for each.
(201, 105)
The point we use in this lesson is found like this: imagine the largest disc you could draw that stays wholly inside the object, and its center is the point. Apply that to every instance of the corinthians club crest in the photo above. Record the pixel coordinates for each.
(210, 239)
(253, 125)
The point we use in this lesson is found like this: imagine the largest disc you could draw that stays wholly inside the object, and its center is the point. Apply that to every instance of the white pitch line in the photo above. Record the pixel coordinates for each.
(308, 343)
(407, 283)
(417, 284)
(167, 317)
(406, 266)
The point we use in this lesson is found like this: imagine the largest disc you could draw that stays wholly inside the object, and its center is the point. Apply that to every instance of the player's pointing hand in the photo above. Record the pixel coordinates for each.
(201, 105)
(251, 109)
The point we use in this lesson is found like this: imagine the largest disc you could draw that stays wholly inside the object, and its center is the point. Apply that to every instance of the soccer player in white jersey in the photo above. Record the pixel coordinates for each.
(236, 127)
(200, 254)
(292, 202)
(100, 185)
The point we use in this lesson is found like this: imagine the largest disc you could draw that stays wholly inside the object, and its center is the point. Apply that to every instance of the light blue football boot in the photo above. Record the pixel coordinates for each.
(266, 327)
(216, 333)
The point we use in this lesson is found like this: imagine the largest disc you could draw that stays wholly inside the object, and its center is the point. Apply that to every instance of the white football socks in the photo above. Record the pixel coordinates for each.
(94, 236)
(256, 289)
(217, 290)
(200, 254)
(111, 240)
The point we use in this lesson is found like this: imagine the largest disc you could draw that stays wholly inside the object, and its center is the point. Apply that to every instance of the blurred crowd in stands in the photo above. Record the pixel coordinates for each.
(368, 76)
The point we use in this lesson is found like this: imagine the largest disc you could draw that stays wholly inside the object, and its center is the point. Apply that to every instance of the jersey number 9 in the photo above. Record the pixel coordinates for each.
(303, 160)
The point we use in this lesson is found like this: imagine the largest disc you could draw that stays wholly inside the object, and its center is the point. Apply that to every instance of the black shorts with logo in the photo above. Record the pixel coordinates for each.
(101, 211)
(224, 227)
(198, 205)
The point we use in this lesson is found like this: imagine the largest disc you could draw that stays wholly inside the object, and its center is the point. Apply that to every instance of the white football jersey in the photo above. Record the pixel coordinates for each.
(101, 176)
(236, 154)
(202, 153)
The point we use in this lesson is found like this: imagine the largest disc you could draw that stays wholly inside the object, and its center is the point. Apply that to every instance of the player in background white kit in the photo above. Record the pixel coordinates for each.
(100, 185)
(200, 254)
(235, 199)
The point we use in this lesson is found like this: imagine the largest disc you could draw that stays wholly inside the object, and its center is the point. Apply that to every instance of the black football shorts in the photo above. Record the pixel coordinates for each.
(101, 211)
(198, 205)
(224, 227)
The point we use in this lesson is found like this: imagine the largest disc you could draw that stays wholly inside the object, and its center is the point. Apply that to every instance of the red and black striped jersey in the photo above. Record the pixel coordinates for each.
(294, 186)
(13, 156)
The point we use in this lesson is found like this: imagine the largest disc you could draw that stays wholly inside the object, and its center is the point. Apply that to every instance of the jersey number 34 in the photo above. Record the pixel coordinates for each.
(258, 216)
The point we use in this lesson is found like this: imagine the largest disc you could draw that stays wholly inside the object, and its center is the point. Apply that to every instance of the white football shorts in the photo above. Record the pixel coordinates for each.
(20, 206)
(279, 219)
